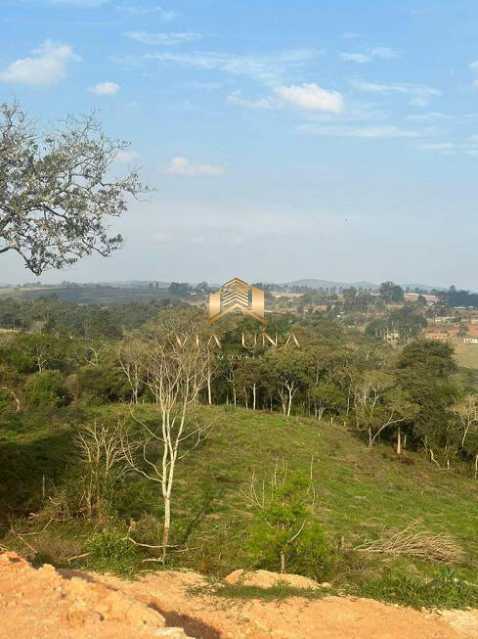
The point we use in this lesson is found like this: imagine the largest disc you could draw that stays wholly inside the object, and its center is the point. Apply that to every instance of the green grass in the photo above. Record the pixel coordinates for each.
(278, 592)
(443, 591)
(360, 493)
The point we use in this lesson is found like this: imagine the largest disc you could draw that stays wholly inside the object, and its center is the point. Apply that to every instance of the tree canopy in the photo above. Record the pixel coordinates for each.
(57, 192)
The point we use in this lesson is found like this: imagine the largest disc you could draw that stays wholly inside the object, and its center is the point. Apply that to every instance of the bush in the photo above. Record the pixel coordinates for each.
(46, 390)
(103, 384)
(285, 534)
(112, 551)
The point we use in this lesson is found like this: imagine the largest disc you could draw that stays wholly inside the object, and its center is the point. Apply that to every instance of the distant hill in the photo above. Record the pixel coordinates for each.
(134, 284)
(316, 284)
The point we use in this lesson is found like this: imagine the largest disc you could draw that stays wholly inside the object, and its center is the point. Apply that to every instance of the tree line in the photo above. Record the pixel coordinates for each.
(414, 398)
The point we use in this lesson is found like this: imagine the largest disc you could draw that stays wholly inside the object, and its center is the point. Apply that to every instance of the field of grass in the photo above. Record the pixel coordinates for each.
(91, 294)
(466, 354)
(360, 492)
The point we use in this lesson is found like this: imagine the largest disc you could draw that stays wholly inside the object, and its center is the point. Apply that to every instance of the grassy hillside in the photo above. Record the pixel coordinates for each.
(360, 492)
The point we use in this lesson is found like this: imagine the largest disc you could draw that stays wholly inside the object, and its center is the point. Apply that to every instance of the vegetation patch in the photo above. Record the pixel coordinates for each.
(277, 592)
(445, 590)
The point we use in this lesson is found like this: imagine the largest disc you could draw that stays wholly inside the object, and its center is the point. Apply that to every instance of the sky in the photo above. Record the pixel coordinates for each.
(283, 140)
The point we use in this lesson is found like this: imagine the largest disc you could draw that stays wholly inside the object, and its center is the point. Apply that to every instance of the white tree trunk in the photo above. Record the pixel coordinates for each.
(399, 441)
(209, 390)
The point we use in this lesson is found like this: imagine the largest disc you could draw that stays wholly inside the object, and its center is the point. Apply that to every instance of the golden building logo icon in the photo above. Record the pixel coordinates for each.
(237, 296)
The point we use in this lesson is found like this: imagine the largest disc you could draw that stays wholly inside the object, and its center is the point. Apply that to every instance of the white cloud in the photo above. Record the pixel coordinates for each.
(373, 132)
(433, 116)
(184, 167)
(474, 67)
(469, 147)
(380, 53)
(412, 89)
(46, 67)
(384, 53)
(105, 88)
(126, 156)
(440, 147)
(163, 39)
(267, 69)
(420, 95)
(138, 10)
(83, 4)
(358, 58)
(311, 97)
(259, 103)
(420, 101)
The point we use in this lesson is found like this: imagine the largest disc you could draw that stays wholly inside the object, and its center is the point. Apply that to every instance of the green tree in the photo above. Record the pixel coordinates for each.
(327, 396)
(248, 376)
(286, 369)
(56, 191)
(391, 293)
(425, 374)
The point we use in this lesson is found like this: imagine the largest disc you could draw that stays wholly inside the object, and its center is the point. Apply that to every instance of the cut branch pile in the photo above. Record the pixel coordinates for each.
(416, 543)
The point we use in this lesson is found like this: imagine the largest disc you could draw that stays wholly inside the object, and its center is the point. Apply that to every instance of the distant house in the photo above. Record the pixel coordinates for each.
(468, 331)
(437, 336)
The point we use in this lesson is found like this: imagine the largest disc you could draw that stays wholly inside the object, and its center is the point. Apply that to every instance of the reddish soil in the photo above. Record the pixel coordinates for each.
(42, 604)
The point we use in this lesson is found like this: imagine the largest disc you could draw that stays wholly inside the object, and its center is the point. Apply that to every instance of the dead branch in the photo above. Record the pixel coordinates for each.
(414, 542)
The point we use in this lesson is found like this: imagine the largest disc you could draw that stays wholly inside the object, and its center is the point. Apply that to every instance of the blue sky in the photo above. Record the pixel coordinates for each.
(336, 139)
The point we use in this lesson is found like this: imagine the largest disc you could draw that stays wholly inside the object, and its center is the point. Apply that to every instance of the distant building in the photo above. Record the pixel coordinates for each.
(468, 331)
(392, 337)
(437, 336)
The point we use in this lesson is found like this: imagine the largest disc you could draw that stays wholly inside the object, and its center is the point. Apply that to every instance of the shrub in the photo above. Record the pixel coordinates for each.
(46, 390)
(285, 534)
(103, 384)
(112, 551)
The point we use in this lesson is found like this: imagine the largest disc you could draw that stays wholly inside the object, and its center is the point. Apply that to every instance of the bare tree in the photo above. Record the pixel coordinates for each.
(102, 454)
(41, 356)
(467, 412)
(14, 396)
(175, 371)
(56, 191)
(131, 358)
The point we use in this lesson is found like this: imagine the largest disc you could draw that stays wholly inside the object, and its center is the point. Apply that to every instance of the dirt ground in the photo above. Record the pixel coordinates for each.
(42, 604)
